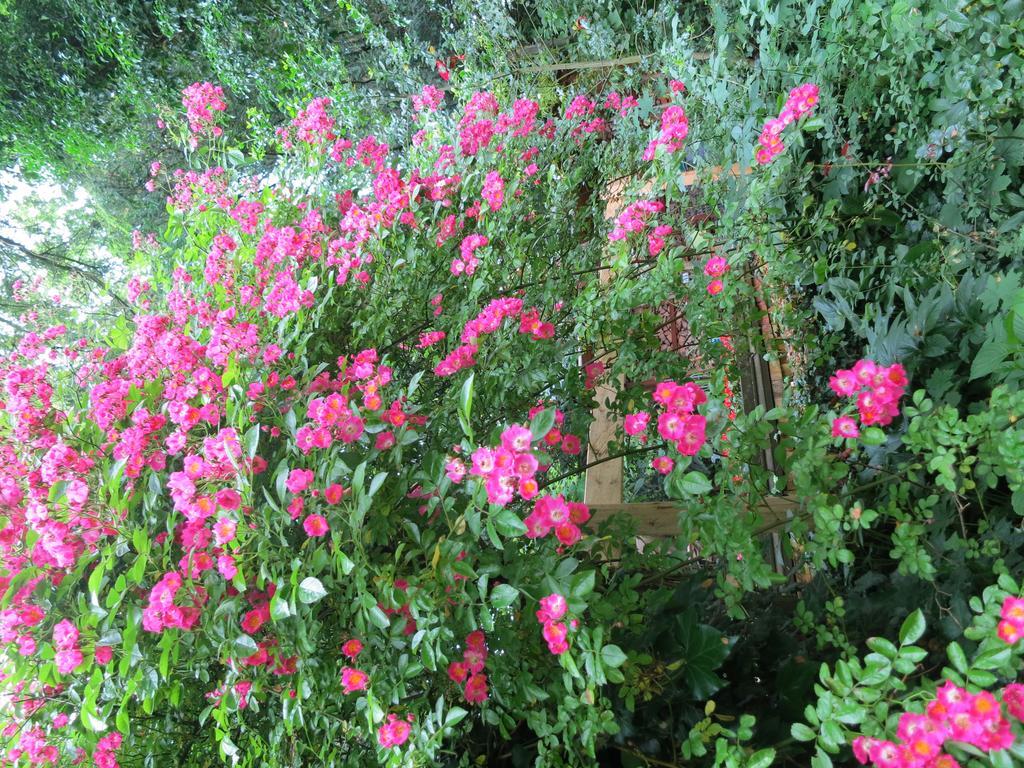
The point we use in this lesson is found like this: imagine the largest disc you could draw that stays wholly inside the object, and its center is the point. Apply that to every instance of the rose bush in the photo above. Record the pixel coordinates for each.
(291, 498)
(320, 501)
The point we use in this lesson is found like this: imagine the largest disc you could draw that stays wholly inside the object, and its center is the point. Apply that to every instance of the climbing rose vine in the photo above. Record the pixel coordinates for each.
(299, 505)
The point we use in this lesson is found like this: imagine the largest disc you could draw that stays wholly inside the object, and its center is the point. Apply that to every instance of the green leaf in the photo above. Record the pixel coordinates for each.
(612, 656)
(508, 524)
(912, 629)
(466, 406)
(872, 436)
(989, 357)
(414, 384)
(801, 732)
(821, 759)
(503, 595)
(882, 646)
(994, 658)
(1001, 759)
(344, 562)
(913, 653)
(680, 484)
(981, 678)
(122, 721)
(359, 479)
(311, 590)
(244, 646)
(762, 758)
(696, 483)
(228, 747)
(377, 482)
(454, 716)
(831, 735)
(492, 534)
(379, 618)
(702, 649)
(582, 584)
(96, 578)
(140, 541)
(91, 720)
(542, 423)
(252, 440)
(279, 607)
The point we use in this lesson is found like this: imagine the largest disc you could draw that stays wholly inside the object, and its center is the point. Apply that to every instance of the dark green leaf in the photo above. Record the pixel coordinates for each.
(801, 732)
(503, 595)
(508, 524)
(244, 646)
(912, 629)
(542, 423)
(612, 656)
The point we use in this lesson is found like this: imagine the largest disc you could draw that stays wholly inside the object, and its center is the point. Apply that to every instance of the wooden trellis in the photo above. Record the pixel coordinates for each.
(760, 384)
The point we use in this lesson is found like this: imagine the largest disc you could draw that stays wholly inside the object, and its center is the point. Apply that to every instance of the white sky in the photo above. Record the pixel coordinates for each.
(16, 193)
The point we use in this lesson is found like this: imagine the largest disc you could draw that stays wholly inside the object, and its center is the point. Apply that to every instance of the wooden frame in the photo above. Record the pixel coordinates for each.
(760, 384)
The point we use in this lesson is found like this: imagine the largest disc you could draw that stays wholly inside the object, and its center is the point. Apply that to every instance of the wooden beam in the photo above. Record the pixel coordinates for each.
(624, 61)
(569, 65)
(691, 177)
(656, 519)
(603, 484)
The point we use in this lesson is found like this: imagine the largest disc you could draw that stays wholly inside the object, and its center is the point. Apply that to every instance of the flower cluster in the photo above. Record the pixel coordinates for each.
(623, 104)
(180, 405)
(1013, 699)
(636, 424)
(953, 715)
(395, 732)
(201, 101)
(581, 108)
(1011, 624)
(521, 120)
(663, 465)
(466, 263)
(550, 615)
(161, 612)
(634, 219)
(430, 338)
(477, 128)
(65, 641)
(353, 679)
(878, 390)
(494, 191)
(333, 417)
(678, 422)
(470, 671)
(801, 102)
(508, 469)
(241, 691)
(428, 99)
(674, 127)
(192, 188)
(553, 514)
(715, 268)
(103, 754)
(312, 125)
(486, 322)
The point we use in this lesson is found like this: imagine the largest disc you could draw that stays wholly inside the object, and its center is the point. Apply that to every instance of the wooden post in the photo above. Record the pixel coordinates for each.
(603, 483)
